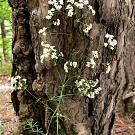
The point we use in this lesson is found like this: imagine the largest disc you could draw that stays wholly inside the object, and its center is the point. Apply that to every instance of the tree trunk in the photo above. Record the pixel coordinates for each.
(42, 101)
(3, 35)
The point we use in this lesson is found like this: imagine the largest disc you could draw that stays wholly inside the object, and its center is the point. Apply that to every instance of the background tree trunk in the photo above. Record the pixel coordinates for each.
(3, 35)
(86, 116)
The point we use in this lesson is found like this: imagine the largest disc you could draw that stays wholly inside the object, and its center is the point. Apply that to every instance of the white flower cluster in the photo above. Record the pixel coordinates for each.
(91, 63)
(50, 14)
(17, 83)
(49, 52)
(69, 65)
(88, 87)
(107, 68)
(57, 5)
(111, 42)
(80, 4)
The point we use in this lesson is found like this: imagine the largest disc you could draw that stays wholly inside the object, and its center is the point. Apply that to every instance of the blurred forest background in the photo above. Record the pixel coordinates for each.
(7, 115)
(5, 37)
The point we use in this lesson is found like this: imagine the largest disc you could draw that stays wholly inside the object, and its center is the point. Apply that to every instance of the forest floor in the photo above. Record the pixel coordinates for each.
(124, 125)
(8, 120)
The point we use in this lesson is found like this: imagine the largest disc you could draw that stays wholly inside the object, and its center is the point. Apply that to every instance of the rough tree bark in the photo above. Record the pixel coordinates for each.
(87, 116)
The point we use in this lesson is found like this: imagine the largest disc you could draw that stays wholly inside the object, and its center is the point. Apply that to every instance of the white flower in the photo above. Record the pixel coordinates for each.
(46, 53)
(69, 6)
(87, 29)
(70, 10)
(112, 48)
(57, 23)
(111, 42)
(52, 2)
(95, 54)
(91, 95)
(58, 7)
(24, 80)
(70, 13)
(45, 44)
(48, 17)
(79, 5)
(45, 50)
(87, 64)
(18, 77)
(79, 83)
(97, 90)
(85, 2)
(66, 67)
(74, 64)
(105, 44)
(71, 1)
(61, 2)
(43, 31)
(91, 63)
(92, 10)
(61, 54)
(42, 58)
(50, 13)
(69, 64)
(109, 36)
(81, 1)
(94, 83)
(54, 55)
(53, 48)
(108, 68)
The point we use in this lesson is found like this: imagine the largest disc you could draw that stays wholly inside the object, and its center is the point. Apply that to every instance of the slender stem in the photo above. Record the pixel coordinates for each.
(55, 33)
(57, 108)
(57, 124)
(51, 120)
(38, 99)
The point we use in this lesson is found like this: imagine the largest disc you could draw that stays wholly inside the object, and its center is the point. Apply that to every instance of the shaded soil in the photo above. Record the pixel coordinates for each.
(4, 83)
(8, 119)
(4, 79)
(124, 125)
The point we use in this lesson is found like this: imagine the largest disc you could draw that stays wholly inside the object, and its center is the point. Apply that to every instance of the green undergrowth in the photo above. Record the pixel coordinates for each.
(5, 68)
